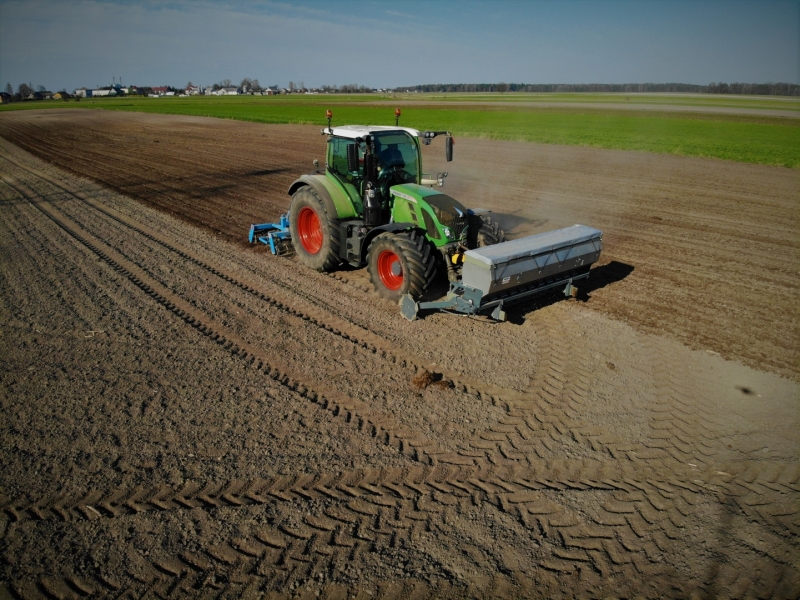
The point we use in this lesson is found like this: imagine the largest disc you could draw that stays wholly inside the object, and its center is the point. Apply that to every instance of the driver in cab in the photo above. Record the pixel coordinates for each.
(391, 166)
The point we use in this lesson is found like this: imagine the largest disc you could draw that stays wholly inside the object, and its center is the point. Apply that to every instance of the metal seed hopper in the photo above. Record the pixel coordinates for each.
(496, 276)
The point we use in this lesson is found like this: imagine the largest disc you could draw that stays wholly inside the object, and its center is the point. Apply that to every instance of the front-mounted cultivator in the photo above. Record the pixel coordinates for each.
(274, 235)
(373, 206)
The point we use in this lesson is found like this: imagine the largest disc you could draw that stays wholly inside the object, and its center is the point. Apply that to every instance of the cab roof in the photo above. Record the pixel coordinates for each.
(360, 131)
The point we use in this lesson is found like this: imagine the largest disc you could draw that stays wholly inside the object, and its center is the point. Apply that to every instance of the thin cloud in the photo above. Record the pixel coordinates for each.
(404, 43)
(394, 13)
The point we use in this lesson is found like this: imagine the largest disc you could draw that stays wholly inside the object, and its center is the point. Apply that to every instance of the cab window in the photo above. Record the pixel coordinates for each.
(338, 162)
(398, 150)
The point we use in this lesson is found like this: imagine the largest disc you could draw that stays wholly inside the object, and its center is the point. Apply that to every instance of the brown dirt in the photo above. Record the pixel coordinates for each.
(183, 415)
(706, 251)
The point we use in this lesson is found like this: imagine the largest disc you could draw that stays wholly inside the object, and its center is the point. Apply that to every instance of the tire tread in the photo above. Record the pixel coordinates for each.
(416, 250)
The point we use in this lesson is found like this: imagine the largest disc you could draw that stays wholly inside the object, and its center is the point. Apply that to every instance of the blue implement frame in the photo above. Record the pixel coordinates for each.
(277, 234)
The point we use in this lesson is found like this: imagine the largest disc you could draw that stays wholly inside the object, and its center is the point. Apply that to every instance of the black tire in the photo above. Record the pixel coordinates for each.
(317, 248)
(415, 260)
(483, 232)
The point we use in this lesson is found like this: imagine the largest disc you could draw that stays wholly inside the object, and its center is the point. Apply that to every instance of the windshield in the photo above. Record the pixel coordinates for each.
(397, 151)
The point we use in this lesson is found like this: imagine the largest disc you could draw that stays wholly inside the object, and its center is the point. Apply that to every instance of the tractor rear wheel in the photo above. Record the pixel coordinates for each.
(315, 233)
(483, 232)
(401, 263)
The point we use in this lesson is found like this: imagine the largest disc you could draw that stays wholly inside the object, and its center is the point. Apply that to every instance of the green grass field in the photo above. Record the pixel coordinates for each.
(761, 139)
(689, 100)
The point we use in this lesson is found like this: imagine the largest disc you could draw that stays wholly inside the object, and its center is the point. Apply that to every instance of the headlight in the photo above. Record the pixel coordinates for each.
(448, 233)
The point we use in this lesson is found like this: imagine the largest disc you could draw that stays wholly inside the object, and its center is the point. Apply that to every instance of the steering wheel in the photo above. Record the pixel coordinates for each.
(396, 173)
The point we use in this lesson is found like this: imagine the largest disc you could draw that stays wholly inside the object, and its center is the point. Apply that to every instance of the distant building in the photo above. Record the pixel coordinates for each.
(229, 91)
(82, 93)
(4, 98)
(61, 96)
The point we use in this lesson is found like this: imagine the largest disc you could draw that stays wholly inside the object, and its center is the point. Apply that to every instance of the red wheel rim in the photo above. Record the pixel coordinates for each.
(390, 270)
(309, 230)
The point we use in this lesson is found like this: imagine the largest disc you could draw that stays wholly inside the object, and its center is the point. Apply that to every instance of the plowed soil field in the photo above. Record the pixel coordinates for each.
(184, 415)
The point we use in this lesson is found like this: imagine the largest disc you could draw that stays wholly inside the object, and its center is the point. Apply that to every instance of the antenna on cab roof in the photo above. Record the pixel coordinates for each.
(329, 116)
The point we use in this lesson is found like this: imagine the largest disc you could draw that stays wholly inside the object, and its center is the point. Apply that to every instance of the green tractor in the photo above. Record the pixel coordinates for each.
(373, 206)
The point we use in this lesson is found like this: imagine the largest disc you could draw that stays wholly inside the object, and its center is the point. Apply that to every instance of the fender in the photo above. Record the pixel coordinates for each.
(375, 231)
(336, 203)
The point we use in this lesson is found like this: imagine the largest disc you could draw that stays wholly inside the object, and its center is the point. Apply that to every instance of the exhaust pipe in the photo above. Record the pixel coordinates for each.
(372, 203)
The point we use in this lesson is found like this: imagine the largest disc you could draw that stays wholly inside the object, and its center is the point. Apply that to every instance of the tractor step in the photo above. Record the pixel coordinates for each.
(274, 235)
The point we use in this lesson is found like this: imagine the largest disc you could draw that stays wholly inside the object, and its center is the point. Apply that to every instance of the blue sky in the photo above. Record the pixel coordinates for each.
(69, 44)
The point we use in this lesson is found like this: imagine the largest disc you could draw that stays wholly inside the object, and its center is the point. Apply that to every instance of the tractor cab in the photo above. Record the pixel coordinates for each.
(362, 158)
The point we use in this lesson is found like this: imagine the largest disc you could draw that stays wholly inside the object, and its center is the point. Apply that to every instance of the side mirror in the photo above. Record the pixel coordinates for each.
(352, 157)
(448, 147)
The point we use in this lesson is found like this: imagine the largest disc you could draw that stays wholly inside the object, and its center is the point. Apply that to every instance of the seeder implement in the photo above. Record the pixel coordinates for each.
(495, 276)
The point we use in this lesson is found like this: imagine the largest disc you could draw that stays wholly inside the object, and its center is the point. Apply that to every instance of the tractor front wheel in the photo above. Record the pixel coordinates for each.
(401, 263)
(483, 232)
(315, 234)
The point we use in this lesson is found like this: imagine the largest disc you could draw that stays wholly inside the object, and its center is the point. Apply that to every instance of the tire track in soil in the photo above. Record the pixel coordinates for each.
(577, 538)
(352, 410)
(338, 326)
(763, 491)
(629, 535)
(372, 343)
(416, 441)
(550, 424)
(641, 175)
(550, 418)
(554, 373)
(349, 332)
(392, 505)
(631, 527)
(680, 444)
(490, 392)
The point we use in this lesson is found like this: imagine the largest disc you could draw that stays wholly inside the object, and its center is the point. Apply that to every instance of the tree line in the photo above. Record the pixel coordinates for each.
(24, 90)
(760, 89)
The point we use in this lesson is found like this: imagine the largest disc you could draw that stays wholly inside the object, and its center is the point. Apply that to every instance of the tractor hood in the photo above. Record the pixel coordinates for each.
(444, 207)
(413, 192)
(444, 218)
